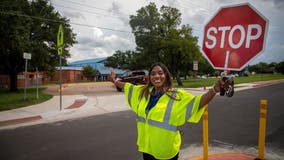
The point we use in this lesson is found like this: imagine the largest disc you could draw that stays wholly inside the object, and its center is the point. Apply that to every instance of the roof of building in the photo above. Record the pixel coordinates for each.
(96, 63)
(70, 68)
(88, 61)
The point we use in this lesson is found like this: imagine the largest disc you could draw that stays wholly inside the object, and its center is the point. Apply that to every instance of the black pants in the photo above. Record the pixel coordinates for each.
(147, 156)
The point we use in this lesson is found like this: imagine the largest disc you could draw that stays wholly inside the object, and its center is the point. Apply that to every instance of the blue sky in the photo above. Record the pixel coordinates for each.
(102, 26)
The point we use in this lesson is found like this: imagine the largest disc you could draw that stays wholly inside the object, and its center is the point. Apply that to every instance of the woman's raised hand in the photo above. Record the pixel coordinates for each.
(112, 75)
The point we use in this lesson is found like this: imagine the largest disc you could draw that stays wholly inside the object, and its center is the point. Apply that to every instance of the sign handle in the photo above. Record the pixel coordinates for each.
(226, 62)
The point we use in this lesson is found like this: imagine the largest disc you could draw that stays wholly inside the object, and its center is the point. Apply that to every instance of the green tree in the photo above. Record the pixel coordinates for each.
(280, 67)
(31, 26)
(261, 67)
(180, 50)
(121, 60)
(160, 36)
(204, 67)
(89, 72)
(146, 28)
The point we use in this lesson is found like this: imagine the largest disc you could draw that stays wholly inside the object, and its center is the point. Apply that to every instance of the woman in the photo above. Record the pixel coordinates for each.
(161, 109)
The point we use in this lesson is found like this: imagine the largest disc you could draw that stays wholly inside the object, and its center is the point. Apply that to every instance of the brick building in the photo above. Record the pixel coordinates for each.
(69, 74)
(73, 72)
(32, 80)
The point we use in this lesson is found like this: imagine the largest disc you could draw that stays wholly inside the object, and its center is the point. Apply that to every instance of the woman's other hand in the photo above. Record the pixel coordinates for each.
(112, 75)
(220, 84)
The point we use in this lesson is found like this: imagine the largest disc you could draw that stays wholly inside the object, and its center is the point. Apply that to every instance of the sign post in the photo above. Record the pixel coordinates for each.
(26, 56)
(36, 83)
(59, 49)
(234, 37)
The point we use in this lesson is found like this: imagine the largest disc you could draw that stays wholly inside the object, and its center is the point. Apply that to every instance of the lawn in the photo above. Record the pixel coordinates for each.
(194, 83)
(12, 100)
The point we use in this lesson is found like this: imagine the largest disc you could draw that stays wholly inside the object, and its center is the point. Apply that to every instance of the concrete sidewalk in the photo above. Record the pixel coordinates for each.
(76, 106)
(73, 106)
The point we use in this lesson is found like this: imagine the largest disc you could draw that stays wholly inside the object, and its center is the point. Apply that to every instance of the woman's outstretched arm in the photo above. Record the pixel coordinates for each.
(117, 83)
(208, 96)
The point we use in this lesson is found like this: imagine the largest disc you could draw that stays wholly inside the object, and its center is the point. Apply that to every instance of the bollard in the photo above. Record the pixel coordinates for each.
(262, 129)
(205, 133)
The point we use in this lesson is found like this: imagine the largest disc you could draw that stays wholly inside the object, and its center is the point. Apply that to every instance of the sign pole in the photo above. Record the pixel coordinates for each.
(60, 81)
(26, 57)
(25, 88)
(36, 83)
(59, 49)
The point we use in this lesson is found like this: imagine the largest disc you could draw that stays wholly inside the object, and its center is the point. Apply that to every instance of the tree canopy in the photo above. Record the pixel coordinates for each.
(121, 60)
(160, 37)
(90, 72)
(31, 26)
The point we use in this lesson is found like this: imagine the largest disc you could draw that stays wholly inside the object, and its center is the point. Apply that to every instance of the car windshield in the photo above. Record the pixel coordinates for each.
(138, 73)
(134, 73)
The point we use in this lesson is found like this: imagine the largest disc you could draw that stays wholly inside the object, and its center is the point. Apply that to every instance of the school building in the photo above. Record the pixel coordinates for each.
(73, 72)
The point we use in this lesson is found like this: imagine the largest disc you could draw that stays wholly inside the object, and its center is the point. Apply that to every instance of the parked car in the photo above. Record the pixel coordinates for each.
(134, 77)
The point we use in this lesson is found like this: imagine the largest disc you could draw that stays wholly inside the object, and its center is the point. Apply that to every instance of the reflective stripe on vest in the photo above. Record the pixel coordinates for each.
(130, 94)
(189, 108)
(140, 119)
(165, 124)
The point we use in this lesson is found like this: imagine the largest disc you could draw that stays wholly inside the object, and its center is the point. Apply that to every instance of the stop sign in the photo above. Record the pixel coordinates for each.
(234, 37)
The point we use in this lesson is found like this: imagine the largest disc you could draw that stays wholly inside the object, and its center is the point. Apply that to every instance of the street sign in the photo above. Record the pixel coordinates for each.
(27, 56)
(60, 40)
(234, 37)
(195, 65)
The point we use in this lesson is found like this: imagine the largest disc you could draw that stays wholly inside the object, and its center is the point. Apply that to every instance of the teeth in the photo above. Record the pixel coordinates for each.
(157, 81)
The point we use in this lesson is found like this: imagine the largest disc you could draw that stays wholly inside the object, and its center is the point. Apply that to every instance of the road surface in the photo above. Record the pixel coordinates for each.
(233, 122)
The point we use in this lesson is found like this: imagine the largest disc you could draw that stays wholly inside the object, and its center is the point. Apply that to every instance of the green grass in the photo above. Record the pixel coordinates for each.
(195, 83)
(258, 77)
(12, 100)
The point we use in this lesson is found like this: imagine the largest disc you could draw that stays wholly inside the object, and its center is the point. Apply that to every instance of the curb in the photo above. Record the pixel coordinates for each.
(76, 104)
(227, 156)
(20, 120)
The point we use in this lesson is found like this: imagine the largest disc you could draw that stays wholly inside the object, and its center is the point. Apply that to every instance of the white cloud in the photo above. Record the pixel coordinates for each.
(100, 52)
(70, 14)
(104, 17)
(97, 33)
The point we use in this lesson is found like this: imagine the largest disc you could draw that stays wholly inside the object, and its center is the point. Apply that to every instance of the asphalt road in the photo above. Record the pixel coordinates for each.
(113, 136)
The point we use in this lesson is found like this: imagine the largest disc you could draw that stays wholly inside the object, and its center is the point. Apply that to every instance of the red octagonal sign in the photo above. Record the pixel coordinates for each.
(234, 36)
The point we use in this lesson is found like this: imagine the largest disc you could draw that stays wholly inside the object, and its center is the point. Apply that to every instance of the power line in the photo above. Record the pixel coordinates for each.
(86, 11)
(81, 10)
(180, 4)
(58, 21)
(208, 10)
(92, 7)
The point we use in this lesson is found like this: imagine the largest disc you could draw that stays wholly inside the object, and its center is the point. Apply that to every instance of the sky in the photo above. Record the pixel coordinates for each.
(102, 26)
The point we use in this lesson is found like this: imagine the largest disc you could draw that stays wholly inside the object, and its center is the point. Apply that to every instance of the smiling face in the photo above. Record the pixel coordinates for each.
(157, 77)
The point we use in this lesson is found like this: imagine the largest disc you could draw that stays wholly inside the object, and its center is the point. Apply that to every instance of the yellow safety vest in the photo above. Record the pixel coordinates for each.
(158, 132)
